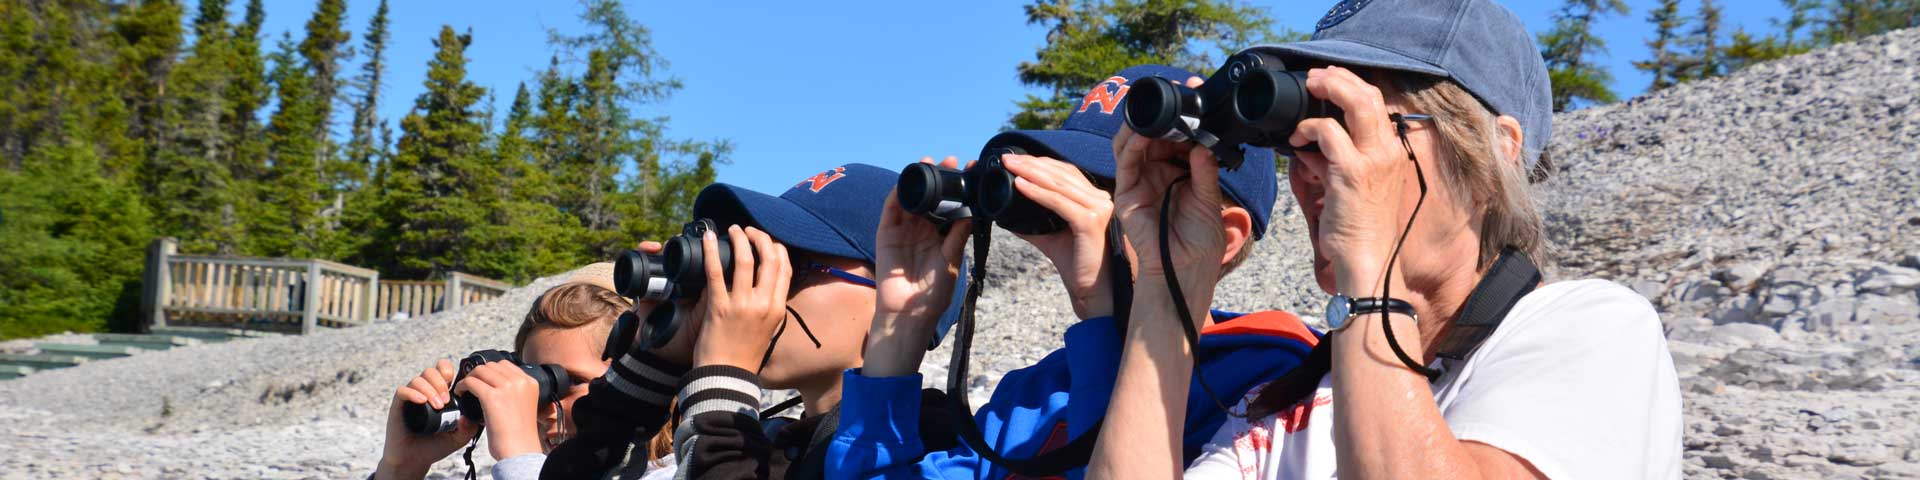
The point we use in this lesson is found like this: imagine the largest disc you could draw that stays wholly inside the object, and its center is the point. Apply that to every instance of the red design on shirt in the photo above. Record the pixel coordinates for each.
(1055, 440)
(1295, 419)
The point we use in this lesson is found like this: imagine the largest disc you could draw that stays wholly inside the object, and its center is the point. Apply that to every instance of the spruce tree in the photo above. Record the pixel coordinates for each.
(247, 93)
(524, 237)
(74, 221)
(1799, 16)
(149, 35)
(194, 196)
(1571, 51)
(1703, 45)
(362, 150)
(1666, 20)
(430, 201)
(292, 192)
(1088, 41)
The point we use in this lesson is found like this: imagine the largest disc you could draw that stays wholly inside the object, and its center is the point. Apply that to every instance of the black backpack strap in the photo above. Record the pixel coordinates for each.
(1512, 277)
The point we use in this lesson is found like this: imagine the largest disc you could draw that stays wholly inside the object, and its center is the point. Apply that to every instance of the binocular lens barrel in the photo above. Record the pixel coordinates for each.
(1155, 106)
(423, 419)
(642, 277)
(934, 192)
(1277, 101)
(659, 327)
(998, 199)
(685, 261)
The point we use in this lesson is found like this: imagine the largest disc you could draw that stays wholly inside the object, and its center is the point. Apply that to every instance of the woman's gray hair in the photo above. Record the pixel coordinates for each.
(1470, 133)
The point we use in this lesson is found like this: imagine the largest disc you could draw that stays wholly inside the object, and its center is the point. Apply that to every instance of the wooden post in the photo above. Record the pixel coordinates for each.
(310, 309)
(154, 298)
(453, 292)
(373, 297)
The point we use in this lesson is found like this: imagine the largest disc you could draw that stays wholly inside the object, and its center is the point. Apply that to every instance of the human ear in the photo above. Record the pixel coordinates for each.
(1238, 225)
(1512, 139)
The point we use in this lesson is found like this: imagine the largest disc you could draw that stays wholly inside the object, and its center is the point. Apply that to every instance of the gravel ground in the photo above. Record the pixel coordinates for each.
(1771, 216)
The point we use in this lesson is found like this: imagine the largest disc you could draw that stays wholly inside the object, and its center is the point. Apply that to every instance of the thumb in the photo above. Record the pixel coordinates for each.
(1205, 171)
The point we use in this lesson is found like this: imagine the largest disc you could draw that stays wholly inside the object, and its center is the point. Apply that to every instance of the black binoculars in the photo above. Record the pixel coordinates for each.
(679, 272)
(423, 419)
(986, 191)
(1254, 99)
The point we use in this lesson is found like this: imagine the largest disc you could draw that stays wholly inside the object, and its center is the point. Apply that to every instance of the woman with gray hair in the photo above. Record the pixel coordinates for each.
(1448, 356)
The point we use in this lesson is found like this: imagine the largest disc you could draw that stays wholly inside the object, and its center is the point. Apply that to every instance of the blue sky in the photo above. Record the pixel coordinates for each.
(800, 86)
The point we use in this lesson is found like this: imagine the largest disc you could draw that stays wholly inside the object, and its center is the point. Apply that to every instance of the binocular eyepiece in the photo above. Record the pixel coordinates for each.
(985, 190)
(642, 277)
(1253, 99)
(423, 419)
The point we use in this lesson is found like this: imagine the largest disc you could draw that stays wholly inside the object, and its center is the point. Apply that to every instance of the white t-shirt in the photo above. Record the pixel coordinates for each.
(1577, 380)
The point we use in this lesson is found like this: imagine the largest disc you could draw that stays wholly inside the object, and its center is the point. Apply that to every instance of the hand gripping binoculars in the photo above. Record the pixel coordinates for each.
(679, 272)
(984, 191)
(1254, 99)
(423, 419)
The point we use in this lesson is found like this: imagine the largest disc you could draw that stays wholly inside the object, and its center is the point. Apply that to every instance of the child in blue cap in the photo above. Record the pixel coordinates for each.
(793, 314)
(1042, 416)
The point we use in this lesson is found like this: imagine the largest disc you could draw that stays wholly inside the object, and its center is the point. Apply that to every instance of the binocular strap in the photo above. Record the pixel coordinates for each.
(1075, 453)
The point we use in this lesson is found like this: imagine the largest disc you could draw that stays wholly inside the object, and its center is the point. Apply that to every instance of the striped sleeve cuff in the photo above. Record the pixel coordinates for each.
(645, 378)
(719, 388)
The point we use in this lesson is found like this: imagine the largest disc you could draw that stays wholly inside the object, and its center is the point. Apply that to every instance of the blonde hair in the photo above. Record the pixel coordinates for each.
(570, 306)
(1471, 134)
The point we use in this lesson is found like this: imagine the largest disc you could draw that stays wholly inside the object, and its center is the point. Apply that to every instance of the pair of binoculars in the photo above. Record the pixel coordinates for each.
(985, 191)
(679, 272)
(1254, 99)
(423, 419)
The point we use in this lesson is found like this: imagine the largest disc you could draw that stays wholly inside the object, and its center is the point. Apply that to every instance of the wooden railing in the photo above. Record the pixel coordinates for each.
(289, 295)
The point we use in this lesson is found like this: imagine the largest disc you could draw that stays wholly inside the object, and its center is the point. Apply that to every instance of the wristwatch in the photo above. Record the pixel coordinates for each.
(1340, 308)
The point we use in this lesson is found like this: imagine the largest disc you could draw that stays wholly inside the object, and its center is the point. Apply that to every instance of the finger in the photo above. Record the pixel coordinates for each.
(420, 391)
(950, 162)
(782, 277)
(437, 383)
(956, 240)
(1051, 200)
(1335, 146)
(1205, 171)
(1127, 163)
(1194, 82)
(926, 160)
(716, 281)
(1365, 106)
(971, 162)
(1120, 138)
(743, 260)
(890, 211)
(768, 266)
(651, 247)
(1042, 173)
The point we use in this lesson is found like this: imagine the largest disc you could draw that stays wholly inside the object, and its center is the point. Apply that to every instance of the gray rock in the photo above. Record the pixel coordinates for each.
(1742, 335)
(1887, 310)
(1742, 276)
(1888, 280)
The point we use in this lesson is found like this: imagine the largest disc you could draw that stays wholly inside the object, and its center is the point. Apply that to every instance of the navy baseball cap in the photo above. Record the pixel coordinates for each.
(1086, 141)
(1476, 43)
(835, 212)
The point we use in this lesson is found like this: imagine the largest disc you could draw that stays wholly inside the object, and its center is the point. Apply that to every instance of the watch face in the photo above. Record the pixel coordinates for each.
(1338, 309)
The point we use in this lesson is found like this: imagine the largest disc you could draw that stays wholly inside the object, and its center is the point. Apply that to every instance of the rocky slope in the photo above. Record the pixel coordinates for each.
(1773, 217)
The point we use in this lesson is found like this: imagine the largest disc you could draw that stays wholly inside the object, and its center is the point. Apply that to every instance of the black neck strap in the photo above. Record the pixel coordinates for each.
(1512, 277)
(1079, 451)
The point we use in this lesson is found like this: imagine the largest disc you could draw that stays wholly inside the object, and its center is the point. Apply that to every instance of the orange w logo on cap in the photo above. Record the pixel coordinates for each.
(822, 179)
(1108, 99)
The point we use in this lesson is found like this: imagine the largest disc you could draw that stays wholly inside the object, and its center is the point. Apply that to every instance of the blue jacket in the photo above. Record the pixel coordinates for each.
(879, 433)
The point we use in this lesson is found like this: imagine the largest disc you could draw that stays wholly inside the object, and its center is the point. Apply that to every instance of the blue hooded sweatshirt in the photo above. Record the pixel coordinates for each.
(1030, 412)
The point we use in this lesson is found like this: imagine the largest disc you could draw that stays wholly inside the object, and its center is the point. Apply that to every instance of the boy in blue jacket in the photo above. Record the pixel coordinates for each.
(1041, 410)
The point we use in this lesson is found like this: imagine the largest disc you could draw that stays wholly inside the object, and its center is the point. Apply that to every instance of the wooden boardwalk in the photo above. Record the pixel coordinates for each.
(289, 295)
